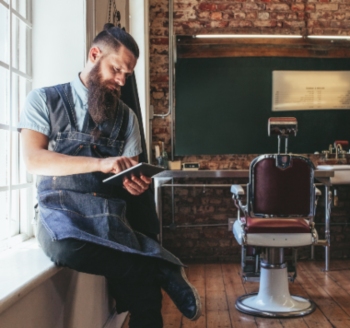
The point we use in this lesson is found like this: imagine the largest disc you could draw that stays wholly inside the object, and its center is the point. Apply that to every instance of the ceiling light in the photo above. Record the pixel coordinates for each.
(262, 36)
(330, 37)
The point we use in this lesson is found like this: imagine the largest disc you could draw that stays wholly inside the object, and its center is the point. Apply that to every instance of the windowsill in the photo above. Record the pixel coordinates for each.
(23, 268)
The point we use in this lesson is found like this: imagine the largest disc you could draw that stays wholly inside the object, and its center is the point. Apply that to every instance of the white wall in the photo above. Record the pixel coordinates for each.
(59, 41)
(138, 27)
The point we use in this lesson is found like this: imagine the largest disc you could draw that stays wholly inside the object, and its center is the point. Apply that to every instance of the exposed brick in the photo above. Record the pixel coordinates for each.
(204, 14)
(216, 15)
(183, 6)
(159, 41)
(263, 15)
(278, 16)
(240, 15)
(300, 15)
(184, 15)
(158, 23)
(252, 6)
(298, 7)
(159, 49)
(205, 6)
(223, 6)
(293, 16)
(158, 32)
(157, 95)
(161, 5)
(265, 23)
(339, 16)
(235, 7)
(219, 24)
(327, 6)
(294, 24)
(228, 16)
(278, 7)
(251, 15)
(310, 7)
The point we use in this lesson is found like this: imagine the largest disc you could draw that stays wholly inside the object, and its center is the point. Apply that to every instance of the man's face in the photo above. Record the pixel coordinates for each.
(116, 67)
(105, 80)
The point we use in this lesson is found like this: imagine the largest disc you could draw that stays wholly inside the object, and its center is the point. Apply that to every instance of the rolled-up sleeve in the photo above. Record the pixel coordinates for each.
(35, 114)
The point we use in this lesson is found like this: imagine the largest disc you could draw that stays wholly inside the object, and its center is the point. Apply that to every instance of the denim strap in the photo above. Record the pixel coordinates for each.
(65, 91)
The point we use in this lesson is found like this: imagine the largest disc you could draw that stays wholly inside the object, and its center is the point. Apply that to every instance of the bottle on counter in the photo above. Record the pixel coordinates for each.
(165, 159)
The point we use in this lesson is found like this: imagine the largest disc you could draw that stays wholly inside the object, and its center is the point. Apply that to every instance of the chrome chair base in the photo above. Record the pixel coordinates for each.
(274, 299)
(309, 307)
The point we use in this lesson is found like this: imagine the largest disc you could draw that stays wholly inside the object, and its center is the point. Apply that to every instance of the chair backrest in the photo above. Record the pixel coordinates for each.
(281, 186)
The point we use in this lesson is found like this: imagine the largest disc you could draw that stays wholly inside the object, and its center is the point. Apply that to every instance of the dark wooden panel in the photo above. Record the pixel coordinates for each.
(223, 105)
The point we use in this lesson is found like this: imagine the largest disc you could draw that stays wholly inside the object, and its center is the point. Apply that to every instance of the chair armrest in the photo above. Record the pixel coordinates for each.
(237, 191)
(318, 192)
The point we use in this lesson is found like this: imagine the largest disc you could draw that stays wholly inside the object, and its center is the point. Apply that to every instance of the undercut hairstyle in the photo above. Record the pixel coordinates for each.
(114, 37)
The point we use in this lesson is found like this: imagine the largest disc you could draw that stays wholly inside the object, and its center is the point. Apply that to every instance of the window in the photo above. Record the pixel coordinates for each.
(16, 186)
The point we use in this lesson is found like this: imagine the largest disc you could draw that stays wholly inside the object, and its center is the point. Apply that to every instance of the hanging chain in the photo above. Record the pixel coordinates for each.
(109, 11)
(113, 14)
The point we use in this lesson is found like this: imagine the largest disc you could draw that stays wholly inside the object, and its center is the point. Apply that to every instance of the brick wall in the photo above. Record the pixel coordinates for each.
(215, 206)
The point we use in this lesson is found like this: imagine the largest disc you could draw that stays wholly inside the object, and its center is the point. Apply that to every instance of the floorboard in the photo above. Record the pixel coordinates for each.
(219, 285)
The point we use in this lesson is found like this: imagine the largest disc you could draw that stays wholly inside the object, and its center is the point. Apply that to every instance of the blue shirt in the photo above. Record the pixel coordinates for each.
(35, 116)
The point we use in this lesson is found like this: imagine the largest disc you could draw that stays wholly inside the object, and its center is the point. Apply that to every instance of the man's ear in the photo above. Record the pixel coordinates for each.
(94, 54)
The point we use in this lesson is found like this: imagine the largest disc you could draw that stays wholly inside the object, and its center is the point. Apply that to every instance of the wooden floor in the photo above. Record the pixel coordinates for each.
(220, 284)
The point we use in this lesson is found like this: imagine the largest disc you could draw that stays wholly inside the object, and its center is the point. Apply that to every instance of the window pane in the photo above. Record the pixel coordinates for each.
(14, 222)
(9, 227)
(4, 142)
(4, 96)
(20, 35)
(27, 206)
(4, 34)
(15, 158)
(20, 6)
(4, 222)
(19, 93)
(24, 176)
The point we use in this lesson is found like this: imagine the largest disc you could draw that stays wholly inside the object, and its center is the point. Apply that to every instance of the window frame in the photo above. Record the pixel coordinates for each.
(23, 229)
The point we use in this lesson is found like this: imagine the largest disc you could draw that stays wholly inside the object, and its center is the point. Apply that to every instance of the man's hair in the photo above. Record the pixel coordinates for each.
(114, 37)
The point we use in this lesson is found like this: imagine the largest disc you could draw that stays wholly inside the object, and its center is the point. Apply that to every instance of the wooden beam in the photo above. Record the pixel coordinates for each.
(189, 47)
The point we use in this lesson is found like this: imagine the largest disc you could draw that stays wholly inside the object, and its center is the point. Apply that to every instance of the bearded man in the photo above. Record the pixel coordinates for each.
(74, 135)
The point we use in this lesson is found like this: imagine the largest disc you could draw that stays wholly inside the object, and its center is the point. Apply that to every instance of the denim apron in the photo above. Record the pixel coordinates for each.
(81, 206)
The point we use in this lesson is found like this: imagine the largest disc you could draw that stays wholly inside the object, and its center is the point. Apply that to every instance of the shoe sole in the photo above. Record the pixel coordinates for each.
(196, 296)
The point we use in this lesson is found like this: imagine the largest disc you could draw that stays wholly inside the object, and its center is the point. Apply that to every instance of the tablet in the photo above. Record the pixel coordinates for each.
(147, 170)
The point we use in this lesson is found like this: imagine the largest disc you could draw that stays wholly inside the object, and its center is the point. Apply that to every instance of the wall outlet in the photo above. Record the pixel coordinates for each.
(230, 224)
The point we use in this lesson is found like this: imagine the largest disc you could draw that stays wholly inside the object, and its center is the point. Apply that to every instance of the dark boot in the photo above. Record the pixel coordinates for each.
(173, 280)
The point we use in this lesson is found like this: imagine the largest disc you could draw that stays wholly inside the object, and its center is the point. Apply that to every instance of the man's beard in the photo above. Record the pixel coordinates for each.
(102, 100)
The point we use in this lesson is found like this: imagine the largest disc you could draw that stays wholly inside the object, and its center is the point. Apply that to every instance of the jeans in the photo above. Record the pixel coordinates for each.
(131, 277)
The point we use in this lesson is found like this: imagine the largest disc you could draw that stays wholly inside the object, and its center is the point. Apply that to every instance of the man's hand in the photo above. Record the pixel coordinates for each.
(136, 186)
(116, 164)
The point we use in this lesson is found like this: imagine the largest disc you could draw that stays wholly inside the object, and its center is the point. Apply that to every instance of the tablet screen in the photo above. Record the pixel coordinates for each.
(147, 170)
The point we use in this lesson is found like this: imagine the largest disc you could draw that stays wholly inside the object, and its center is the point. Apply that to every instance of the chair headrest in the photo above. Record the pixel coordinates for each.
(282, 126)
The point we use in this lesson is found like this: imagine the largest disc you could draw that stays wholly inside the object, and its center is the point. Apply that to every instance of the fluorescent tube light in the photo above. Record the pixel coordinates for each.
(330, 37)
(262, 36)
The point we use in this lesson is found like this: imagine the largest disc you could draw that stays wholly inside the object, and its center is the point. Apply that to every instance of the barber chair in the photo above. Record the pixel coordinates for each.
(280, 203)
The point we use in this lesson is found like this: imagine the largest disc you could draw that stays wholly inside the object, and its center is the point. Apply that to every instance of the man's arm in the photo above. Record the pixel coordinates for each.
(41, 161)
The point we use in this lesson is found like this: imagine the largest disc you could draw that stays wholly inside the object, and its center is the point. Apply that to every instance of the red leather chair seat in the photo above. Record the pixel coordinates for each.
(277, 225)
